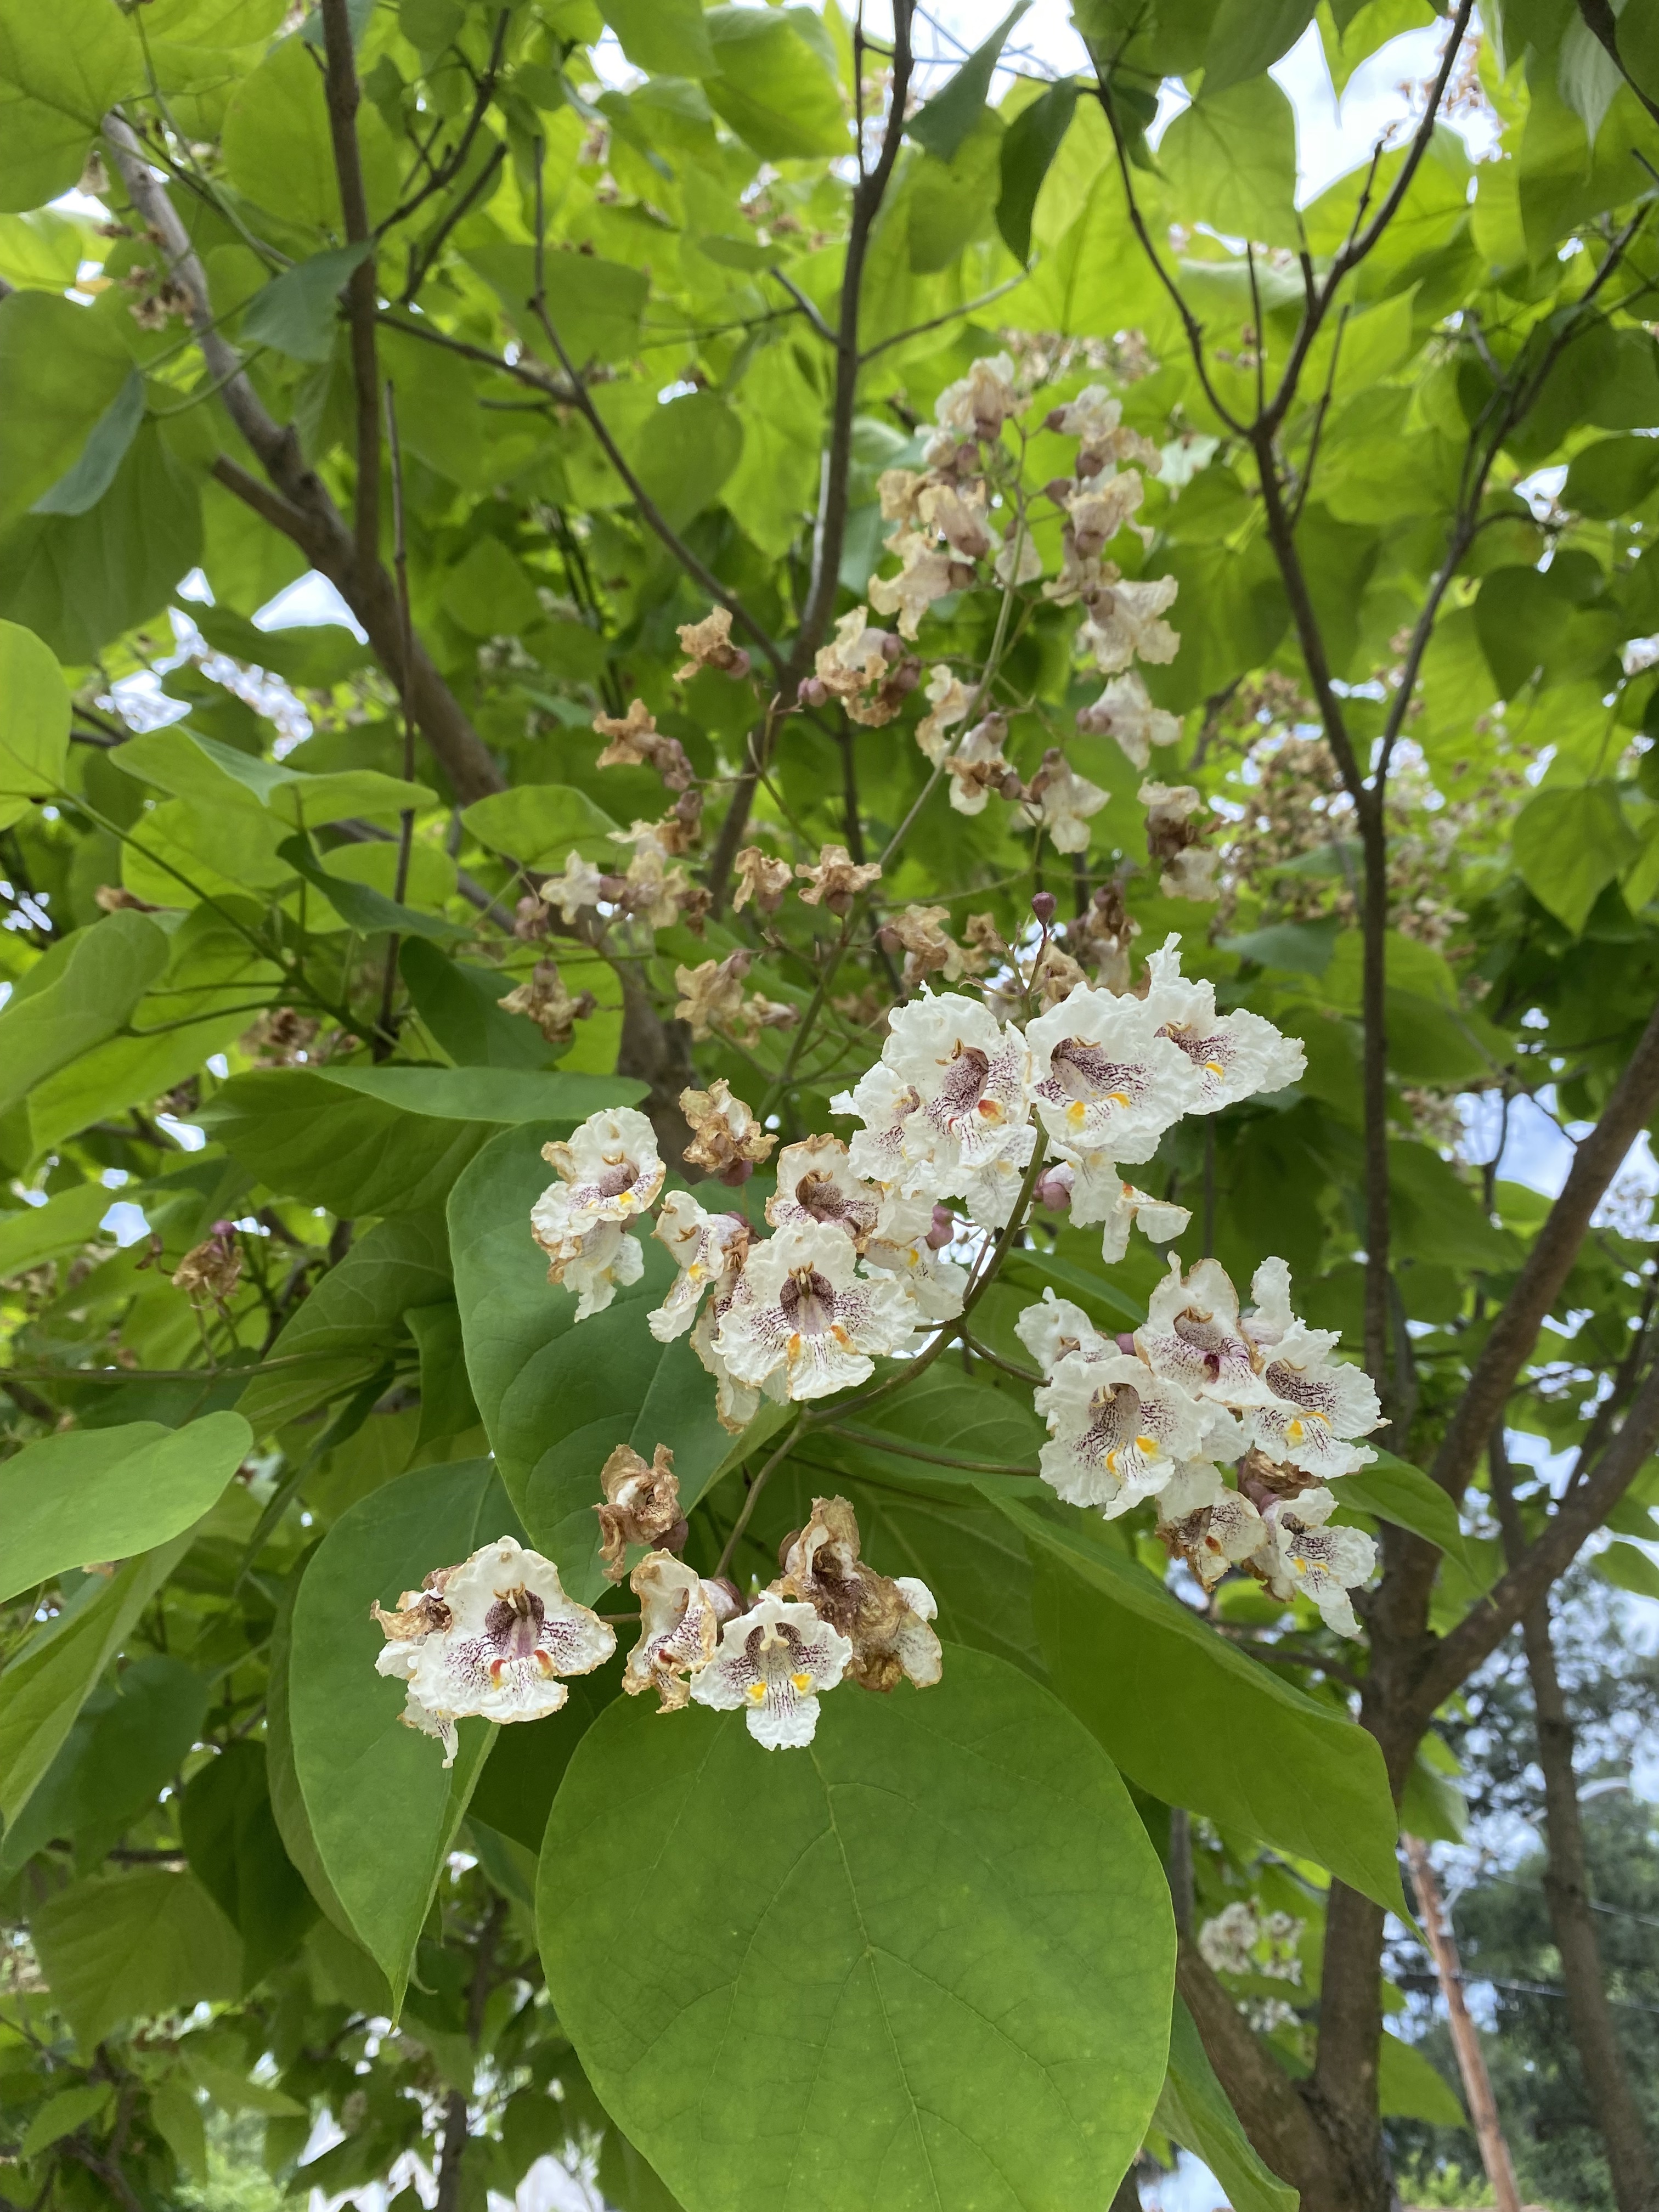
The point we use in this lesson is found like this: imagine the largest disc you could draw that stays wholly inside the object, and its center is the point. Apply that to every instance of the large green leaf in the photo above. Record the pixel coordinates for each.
(350, 1324)
(131, 1945)
(1197, 1723)
(666, 35)
(937, 1947)
(773, 84)
(106, 1493)
(1570, 844)
(188, 765)
(942, 123)
(388, 1140)
(1193, 2109)
(45, 1685)
(1029, 147)
(34, 722)
(60, 369)
(61, 69)
(1393, 1490)
(236, 1851)
(383, 1809)
(1231, 161)
(558, 1396)
(94, 981)
(540, 823)
(30, 1234)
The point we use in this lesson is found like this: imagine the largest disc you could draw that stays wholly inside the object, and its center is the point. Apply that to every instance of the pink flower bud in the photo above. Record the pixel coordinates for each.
(1053, 1188)
(739, 664)
(811, 692)
(944, 1230)
(1043, 906)
(1125, 1340)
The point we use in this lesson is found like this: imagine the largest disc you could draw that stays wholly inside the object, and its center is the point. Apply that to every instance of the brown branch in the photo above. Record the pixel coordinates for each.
(1514, 1331)
(340, 80)
(829, 537)
(1271, 2113)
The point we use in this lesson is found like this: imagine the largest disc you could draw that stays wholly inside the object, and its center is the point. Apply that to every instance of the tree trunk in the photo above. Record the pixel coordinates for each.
(1471, 2059)
(1566, 1890)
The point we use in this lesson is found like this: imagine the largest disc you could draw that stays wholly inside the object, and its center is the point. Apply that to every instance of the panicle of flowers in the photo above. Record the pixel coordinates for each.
(634, 741)
(546, 1001)
(865, 669)
(707, 644)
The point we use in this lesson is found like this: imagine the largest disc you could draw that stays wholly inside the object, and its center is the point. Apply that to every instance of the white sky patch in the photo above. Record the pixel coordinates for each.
(126, 1222)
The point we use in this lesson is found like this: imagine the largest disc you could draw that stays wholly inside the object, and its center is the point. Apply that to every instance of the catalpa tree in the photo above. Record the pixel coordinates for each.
(806, 1407)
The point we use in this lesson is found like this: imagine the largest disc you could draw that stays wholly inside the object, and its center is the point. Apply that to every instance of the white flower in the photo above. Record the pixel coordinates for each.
(1124, 624)
(1056, 1329)
(1125, 711)
(1100, 1194)
(1316, 1408)
(971, 1078)
(1190, 874)
(1091, 416)
(577, 887)
(492, 1638)
(1203, 1521)
(1191, 1335)
(707, 1248)
(990, 1192)
(736, 1403)
(1065, 801)
(1104, 1080)
(926, 574)
(948, 702)
(1302, 1558)
(886, 1620)
(974, 407)
(680, 1617)
(1272, 1318)
(609, 1171)
(1099, 507)
(977, 767)
(899, 1244)
(804, 1314)
(772, 1662)
(815, 1184)
(1118, 1432)
(886, 1104)
(1238, 1054)
(606, 1261)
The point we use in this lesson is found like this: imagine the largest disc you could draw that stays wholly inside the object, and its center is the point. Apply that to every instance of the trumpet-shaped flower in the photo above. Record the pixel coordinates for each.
(808, 1318)
(1206, 1523)
(1192, 1336)
(1117, 1431)
(991, 1191)
(641, 1504)
(609, 1173)
(885, 1619)
(496, 1636)
(707, 1248)
(817, 1184)
(1236, 1055)
(970, 1078)
(1104, 1080)
(1125, 711)
(899, 1245)
(1056, 1329)
(1125, 622)
(885, 1104)
(680, 1617)
(772, 1664)
(1301, 1557)
(1315, 1406)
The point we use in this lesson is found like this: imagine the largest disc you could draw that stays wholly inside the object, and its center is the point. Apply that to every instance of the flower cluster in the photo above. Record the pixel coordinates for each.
(494, 1636)
(1158, 1413)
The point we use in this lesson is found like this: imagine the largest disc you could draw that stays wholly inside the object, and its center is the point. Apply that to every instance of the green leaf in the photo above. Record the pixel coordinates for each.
(399, 1141)
(102, 454)
(95, 980)
(313, 656)
(34, 722)
(1197, 1723)
(382, 1808)
(939, 1939)
(1627, 1567)
(1248, 36)
(351, 1324)
(596, 305)
(1612, 476)
(62, 2115)
(128, 1946)
(1193, 2109)
(1230, 162)
(363, 908)
(1569, 843)
(106, 1494)
(540, 823)
(288, 1804)
(33, 1233)
(178, 2120)
(772, 85)
(62, 69)
(60, 368)
(1029, 147)
(460, 1005)
(942, 123)
(666, 36)
(558, 1396)
(277, 149)
(1393, 1490)
(201, 770)
(1410, 2087)
(685, 452)
(78, 580)
(128, 1743)
(298, 313)
(236, 1851)
(49, 1680)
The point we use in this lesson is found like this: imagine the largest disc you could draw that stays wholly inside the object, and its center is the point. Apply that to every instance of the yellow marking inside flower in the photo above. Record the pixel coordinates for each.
(1118, 1097)
(545, 1664)
(1147, 1444)
(802, 1682)
(840, 1336)
(1215, 1066)
(756, 1693)
(989, 1110)
(1077, 1113)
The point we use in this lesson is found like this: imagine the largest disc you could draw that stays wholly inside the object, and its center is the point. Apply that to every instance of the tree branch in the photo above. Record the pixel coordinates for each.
(1270, 2111)
(1548, 1556)
(1601, 21)
(340, 81)
(1514, 1331)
